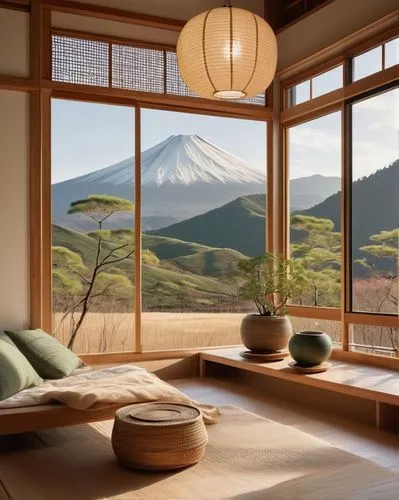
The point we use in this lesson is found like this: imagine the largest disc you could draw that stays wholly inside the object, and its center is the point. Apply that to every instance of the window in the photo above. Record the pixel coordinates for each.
(373, 339)
(203, 209)
(318, 85)
(314, 164)
(375, 203)
(392, 53)
(299, 93)
(327, 82)
(382, 57)
(367, 63)
(88, 62)
(93, 226)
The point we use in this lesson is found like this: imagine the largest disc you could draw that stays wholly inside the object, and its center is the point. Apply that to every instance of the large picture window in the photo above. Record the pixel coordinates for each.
(375, 203)
(203, 209)
(203, 206)
(93, 226)
(314, 164)
(375, 219)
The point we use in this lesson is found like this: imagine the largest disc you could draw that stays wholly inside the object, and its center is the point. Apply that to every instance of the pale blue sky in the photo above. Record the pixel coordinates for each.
(88, 137)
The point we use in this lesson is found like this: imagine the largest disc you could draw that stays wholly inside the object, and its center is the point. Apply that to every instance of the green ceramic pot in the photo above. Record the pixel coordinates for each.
(310, 348)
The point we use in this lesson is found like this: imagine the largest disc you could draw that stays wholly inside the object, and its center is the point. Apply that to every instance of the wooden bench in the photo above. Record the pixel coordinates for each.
(358, 382)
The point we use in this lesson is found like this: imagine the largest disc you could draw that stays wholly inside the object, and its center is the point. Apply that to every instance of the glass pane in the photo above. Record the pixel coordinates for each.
(328, 81)
(367, 63)
(314, 162)
(392, 53)
(93, 226)
(299, 93)
(375, 203)
(203, 204)
(373, 339)
(332, 328)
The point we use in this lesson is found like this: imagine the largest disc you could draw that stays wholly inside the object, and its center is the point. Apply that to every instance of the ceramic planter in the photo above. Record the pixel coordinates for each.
(310, 348)
(265, 334)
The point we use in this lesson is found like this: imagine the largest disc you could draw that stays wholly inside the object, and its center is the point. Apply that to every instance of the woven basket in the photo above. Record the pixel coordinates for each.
(159, 436)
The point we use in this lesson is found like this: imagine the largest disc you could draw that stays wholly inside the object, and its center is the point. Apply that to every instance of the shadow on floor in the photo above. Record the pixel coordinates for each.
(65, 464)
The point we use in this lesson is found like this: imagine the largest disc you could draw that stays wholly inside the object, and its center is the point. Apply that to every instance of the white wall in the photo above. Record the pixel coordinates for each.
(14, 172)
(113, 28)
(14, 43)
(14, 198)
(328, 25)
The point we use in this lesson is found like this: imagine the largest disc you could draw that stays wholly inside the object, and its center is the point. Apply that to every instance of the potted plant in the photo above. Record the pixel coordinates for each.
(269, 281)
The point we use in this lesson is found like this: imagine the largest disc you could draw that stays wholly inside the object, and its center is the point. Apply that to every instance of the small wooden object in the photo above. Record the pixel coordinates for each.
(323, 367)
(264, 357)
(159, 436)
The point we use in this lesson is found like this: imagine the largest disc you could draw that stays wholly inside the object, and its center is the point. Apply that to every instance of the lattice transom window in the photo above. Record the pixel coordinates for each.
(92, 62)
(137, 68)
(76, 60)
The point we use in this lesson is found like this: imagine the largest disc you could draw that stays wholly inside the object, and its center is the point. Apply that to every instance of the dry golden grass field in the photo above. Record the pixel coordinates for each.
(114, 332)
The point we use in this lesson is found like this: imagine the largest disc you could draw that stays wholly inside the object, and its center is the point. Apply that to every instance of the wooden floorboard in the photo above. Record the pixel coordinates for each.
(363, 440)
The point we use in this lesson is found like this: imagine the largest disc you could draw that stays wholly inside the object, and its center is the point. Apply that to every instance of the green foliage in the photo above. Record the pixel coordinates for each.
(269, 281)
(119, 236)
(64, 257)
(149, 258)
(387, 243)
(311, 225)
(64, 283)
(380, 250)
(100, 207)
(386, 247)
(387, 237)
(319, 252)
(115, 285)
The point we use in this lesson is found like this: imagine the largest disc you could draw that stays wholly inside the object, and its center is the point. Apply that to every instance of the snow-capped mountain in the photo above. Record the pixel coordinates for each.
(182, 176)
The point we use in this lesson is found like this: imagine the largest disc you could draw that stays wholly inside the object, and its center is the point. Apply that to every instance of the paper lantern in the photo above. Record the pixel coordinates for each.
(227, 53)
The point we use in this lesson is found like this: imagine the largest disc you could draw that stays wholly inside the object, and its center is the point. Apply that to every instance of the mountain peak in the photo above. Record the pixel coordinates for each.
(180, 159)
(185, 159)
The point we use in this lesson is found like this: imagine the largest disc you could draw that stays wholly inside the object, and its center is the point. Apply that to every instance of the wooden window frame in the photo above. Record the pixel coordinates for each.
(339, 100)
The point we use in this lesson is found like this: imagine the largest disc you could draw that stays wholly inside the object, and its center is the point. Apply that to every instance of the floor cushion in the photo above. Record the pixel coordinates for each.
(49, 357)
(16, 373)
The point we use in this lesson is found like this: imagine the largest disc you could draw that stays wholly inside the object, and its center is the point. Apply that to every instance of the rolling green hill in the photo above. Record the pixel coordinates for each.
(239, 225)
(214, 262)
(187, 273)
(375, 207)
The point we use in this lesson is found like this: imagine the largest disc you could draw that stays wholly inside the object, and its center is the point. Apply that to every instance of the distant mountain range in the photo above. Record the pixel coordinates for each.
(182, 177)
(240, 224)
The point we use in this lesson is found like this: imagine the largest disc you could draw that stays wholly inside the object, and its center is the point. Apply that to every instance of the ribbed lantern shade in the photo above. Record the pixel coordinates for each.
(227, 53)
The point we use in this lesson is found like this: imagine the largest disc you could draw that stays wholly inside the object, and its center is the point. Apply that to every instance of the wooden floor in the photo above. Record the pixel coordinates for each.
(365, 441)
(362, 440)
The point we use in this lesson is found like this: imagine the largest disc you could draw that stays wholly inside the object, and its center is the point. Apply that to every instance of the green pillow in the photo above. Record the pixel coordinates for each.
(47, 356)
(16, 373)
